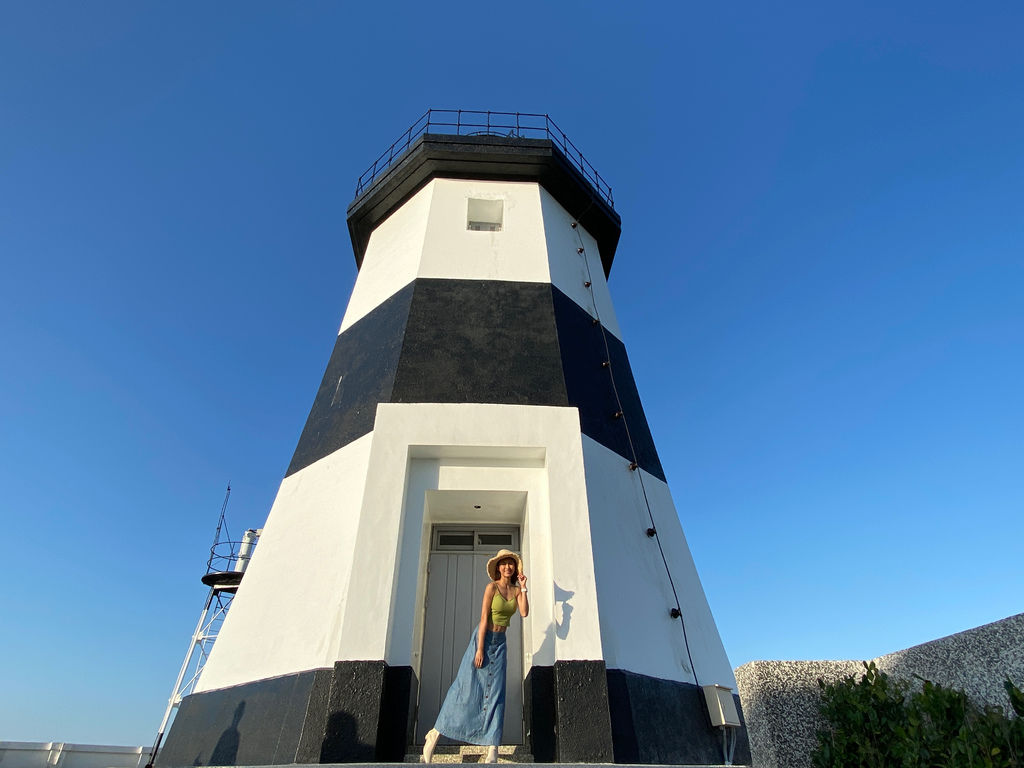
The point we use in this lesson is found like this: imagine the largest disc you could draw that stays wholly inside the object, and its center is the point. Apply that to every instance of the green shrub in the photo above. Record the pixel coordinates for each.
(875, 722)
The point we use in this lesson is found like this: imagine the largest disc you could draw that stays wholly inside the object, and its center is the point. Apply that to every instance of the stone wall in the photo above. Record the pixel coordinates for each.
(780, 698)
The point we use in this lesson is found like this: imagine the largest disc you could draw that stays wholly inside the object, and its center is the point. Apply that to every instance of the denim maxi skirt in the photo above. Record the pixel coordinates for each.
(474, 709)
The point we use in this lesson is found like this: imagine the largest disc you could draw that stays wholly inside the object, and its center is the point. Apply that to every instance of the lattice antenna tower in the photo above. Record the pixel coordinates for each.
(224, 570)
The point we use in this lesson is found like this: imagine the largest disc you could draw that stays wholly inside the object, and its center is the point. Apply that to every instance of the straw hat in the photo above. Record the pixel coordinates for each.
(503, 554)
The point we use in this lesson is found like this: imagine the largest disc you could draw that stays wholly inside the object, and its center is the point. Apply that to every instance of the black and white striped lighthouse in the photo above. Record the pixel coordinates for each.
(478, 397)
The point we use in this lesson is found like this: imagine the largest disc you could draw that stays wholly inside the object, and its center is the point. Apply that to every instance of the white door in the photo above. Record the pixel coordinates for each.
(456, 578)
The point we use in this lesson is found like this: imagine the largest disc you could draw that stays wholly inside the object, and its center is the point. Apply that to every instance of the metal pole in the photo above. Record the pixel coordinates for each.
(220, 522)
(245, 550)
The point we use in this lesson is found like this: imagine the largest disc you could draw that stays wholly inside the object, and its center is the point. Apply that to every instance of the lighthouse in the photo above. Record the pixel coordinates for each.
(478, 397)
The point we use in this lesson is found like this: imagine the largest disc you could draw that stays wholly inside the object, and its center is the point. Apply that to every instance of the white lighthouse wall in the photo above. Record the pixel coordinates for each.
(286, 615)
(633, 589)
(392, 257)
(359, 519)
(570, 270)
(558, 546)
(427, 237)
(514, 253)
(706, 648)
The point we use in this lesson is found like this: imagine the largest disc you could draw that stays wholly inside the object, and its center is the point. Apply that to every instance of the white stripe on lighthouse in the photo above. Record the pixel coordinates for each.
(286, 619)
(632, 586)
(569, 271)
(428, 237)
(357, 519)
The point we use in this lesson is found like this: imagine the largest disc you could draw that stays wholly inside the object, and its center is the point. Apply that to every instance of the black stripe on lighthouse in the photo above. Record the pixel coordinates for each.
(359, 375)
(590, 387)
(478, 341)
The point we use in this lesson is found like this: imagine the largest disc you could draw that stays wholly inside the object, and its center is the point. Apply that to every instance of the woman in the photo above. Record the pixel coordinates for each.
(474, 709)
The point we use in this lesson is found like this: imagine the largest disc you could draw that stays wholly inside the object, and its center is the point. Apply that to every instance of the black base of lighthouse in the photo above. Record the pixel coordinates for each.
(566, 713)
(578, 713)
(357, 712)
(362, 712)
(666, 722)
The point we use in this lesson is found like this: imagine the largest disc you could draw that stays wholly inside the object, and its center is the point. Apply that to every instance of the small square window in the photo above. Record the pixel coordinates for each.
(484, 215)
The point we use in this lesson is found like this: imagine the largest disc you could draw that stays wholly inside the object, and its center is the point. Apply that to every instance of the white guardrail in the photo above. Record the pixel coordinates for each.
(59, 754)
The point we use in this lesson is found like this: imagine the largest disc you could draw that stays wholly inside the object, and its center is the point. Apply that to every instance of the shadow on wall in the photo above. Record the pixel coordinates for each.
(545, 654)
(341, 741)
(563, 611)
(226, 750)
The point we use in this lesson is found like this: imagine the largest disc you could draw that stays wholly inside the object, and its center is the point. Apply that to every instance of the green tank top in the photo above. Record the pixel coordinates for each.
(502, 609)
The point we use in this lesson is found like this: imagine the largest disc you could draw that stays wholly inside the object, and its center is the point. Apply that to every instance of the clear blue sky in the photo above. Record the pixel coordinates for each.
(819, 281)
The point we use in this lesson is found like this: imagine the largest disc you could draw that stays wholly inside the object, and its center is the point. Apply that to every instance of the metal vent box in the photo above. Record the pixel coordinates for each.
(721, 706)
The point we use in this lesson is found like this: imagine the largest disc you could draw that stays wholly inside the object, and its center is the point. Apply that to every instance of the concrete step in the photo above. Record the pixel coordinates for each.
(472, 754)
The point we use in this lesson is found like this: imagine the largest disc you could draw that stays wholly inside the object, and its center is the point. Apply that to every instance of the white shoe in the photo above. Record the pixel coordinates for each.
(428, 745)
(492, 755)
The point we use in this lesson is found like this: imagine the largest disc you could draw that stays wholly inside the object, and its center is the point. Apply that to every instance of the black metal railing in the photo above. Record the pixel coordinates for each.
(469, 122)
(224, 556)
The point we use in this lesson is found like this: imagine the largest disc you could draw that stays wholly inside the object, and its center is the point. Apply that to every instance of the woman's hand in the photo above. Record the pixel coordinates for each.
(522, 598)
(478, 661)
